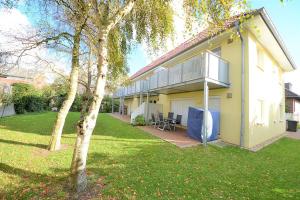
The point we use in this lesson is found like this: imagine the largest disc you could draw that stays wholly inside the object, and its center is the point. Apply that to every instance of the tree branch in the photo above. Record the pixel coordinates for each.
(120, 14)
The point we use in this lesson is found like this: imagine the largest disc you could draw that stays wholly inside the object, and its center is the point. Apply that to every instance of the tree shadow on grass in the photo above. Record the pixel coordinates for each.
(31, 184)
(28, 184)
(42, 146)
(42, 124)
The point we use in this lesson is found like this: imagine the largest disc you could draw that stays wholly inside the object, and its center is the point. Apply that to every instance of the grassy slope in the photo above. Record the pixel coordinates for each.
(137, 165)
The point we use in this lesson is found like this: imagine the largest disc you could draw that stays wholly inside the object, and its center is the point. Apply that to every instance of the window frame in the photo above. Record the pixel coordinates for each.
(260, 59)
(260, 120)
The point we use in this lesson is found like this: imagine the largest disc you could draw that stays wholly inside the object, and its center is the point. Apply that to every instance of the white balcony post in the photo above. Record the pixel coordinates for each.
(147, 108)
(141, 98)
(205, 98)
(205, 102)
(123, 106)
(120, 106)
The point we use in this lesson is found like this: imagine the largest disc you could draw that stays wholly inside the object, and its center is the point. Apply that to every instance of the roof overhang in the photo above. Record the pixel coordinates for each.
(203, 44)
(270, 39)
(266, 33)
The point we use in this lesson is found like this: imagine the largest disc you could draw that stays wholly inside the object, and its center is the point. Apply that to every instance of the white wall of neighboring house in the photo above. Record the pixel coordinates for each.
(297, 107)
(6, 110)
(296, 114)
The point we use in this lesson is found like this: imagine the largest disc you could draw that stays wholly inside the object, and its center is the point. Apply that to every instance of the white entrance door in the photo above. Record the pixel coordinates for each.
(181, 107)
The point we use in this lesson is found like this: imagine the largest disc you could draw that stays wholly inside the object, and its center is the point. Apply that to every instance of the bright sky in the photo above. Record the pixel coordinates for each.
(286, 18)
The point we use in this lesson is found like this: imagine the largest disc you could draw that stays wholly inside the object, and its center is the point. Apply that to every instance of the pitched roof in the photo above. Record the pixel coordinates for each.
(9, 81)
(204, 36)
(195, 40)
(291, 94)
(179, 49)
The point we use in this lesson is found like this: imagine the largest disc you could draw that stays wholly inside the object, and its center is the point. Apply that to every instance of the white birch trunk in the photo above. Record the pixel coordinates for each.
(86, 126)
(55, 141)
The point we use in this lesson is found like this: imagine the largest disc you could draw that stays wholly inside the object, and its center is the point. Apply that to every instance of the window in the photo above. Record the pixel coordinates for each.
(260, 59)
(259, 112)
(217, 51)
(281, 111)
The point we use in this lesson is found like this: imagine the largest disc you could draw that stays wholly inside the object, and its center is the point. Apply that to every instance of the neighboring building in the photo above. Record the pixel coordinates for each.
(6, 82)
(251, 115)
(39, 81)
(292, 101)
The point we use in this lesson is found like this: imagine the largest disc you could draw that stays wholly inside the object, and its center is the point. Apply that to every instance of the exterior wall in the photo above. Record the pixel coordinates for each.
(266, 93)
(8, 110)
(297, 107)
(131, 104)
(230, 107)
(265, 85)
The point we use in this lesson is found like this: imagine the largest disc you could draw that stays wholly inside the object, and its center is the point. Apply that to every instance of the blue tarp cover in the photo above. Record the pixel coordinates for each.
(195, 123)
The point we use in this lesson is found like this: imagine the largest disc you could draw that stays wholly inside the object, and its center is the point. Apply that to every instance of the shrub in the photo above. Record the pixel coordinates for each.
(30, 103)
(27, 99)
(106, 105)
(139, 121)
(76, 106)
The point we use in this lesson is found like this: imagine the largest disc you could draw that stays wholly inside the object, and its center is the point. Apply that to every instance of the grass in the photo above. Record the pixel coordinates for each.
(134, 165)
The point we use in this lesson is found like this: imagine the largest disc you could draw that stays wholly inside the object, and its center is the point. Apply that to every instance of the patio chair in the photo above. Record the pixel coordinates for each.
(165, 123)
(154, 121)
(160, 121)
(170, 116)
(176, 121)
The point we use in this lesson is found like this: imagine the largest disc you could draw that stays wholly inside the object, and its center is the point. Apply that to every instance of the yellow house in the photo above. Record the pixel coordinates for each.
(240, 78)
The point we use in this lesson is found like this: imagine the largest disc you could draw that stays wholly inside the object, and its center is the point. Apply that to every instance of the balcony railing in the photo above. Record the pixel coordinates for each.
(206, 65)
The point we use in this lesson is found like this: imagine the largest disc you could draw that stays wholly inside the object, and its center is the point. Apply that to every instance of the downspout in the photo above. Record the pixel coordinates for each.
(242, 130)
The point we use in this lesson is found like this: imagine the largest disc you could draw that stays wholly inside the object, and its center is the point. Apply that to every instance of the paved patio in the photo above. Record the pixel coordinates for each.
(178, 137)
(293, 135)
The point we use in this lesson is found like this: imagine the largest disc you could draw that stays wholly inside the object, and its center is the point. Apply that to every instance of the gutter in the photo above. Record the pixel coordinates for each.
(276, 35)
(242, 130)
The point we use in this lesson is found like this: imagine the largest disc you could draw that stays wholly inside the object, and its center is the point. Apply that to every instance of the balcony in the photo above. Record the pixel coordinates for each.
(184, 77)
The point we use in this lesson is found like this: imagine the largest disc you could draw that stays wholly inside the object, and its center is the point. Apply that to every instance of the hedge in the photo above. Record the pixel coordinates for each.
(27, 99)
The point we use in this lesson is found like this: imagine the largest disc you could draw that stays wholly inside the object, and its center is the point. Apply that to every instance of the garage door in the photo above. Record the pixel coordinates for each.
(181, 107)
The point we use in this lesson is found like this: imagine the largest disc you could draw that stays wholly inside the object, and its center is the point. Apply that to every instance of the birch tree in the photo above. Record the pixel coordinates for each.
(78, 20)
(113, 25)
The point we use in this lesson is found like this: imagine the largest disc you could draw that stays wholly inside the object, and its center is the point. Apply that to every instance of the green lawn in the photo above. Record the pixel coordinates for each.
(135, 165)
